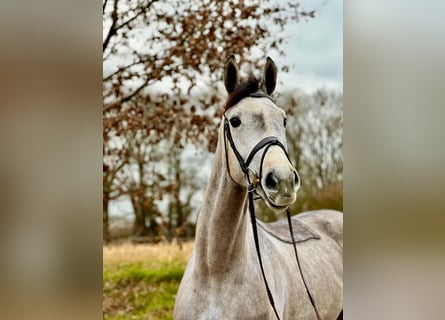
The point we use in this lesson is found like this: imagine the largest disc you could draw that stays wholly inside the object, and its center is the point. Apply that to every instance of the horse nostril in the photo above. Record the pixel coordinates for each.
(296, 178)
(271, 181)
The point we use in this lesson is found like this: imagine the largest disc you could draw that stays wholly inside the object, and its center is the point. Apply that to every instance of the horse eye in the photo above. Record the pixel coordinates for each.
(284, 122)
(235, 122)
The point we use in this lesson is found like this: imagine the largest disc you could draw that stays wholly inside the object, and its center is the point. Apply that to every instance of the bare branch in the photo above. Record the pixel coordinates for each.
(118, 103)
(125, 23)
(112, 30)
(135, 92)
(104, 5)
(121, 69)
(114, 16)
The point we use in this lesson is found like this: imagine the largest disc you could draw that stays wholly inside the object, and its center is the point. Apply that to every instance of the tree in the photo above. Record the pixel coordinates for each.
(112, 164)
(157, 58)
(147, 41)
(188, 181)
(315, 140)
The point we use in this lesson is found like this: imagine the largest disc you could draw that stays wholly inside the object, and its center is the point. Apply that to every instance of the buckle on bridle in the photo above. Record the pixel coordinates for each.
(252, 184)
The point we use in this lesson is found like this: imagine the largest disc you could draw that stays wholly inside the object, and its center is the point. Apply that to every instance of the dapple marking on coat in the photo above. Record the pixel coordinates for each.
(223, 279)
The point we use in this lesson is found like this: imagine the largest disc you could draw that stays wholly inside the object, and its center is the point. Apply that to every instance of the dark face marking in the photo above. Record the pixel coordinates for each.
(258, 119)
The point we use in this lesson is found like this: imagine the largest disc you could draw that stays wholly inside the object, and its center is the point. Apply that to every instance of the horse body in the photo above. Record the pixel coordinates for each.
(223, 279)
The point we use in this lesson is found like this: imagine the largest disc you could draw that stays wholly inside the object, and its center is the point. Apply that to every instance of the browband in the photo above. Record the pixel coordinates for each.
(260, 94)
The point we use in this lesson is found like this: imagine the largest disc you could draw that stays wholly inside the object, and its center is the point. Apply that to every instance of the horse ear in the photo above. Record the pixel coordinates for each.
(231, 74)
(269, 80)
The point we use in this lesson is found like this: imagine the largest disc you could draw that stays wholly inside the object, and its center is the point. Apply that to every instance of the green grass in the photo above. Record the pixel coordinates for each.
(144, 289)
(139, 272)
(138, 292)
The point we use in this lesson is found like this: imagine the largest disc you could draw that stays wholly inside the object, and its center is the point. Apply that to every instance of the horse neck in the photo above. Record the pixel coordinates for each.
(221, 228)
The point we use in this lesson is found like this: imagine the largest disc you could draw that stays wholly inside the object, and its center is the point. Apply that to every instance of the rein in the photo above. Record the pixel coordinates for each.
(265, 144)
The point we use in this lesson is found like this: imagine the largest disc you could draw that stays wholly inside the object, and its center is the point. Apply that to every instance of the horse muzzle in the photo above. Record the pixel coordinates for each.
(280, 187)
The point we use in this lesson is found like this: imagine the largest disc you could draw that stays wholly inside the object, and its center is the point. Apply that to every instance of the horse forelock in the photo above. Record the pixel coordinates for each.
(243, 90)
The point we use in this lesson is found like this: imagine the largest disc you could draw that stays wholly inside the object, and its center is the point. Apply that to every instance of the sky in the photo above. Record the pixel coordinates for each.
(315, 48)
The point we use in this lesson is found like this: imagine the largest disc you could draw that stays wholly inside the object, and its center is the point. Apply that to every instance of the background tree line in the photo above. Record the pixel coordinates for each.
(163, 96)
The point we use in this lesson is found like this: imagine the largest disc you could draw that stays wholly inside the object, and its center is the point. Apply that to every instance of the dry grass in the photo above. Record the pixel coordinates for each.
(128, 253)
(140, 281)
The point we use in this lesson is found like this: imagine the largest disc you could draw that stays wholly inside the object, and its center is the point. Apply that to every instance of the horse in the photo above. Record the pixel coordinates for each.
(225, 277)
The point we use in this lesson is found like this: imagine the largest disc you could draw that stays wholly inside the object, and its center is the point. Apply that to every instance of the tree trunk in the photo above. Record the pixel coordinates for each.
(153, 228)
(177, 193)
(139, 226)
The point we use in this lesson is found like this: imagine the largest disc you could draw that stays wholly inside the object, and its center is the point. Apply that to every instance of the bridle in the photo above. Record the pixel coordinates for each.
(265, 144)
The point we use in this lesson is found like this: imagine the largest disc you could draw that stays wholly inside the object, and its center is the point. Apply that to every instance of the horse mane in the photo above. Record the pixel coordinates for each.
(243, 90)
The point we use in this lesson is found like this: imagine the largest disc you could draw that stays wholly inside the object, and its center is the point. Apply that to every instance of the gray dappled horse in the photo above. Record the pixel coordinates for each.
(223, 278)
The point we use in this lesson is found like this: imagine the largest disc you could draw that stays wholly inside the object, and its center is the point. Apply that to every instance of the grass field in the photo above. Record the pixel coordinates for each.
(140, 281)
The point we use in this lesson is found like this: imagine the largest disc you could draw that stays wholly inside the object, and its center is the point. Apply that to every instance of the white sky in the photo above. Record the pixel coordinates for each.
(315, 48)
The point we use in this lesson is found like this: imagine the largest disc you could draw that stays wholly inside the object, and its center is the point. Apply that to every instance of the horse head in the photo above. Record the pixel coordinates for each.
(255, 137)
